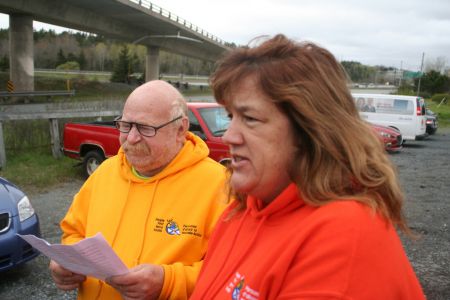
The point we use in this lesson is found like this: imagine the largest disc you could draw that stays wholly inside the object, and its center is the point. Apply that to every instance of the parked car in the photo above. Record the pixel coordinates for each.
(210, 121)
(16, 216)
(431, 121)
(390, 137)
(93, 142)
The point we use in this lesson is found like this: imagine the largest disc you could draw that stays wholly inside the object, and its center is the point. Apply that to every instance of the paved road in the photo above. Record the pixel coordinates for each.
(424, 168)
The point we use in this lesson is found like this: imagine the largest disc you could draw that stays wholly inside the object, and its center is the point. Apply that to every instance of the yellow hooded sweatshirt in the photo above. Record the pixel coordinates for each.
(166, 219)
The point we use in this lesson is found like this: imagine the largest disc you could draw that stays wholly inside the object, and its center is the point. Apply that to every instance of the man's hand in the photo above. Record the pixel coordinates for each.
(144, 282)
(65, 279)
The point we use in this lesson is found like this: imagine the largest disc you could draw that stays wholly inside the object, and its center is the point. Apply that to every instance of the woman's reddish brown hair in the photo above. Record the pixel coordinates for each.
(339, 158)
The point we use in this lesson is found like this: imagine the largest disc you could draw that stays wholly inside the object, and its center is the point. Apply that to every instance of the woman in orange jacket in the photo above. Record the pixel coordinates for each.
(318, 201)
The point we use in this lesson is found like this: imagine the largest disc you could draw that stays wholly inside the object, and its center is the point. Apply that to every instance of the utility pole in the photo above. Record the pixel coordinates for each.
(421, 67)
(401, 74)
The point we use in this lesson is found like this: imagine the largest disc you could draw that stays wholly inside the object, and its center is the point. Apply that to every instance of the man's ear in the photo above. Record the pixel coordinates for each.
(184, 127)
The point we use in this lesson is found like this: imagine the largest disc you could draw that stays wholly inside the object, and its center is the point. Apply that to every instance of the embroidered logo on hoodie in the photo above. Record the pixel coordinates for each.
(172, 228)
(239, 290)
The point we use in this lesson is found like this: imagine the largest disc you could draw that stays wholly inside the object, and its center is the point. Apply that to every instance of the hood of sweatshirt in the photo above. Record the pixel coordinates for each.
(193, 151)
(287, 201)
(194, 145)
(255, 216)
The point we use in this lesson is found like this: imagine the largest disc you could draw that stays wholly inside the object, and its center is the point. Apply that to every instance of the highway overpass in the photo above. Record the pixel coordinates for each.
(132, 21)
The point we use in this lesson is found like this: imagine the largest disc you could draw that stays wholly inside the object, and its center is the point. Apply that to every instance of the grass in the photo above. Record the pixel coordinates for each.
(443, 112)
(38, 171)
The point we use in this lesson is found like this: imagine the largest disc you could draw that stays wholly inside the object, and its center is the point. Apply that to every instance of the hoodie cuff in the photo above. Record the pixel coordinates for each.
(165, 291)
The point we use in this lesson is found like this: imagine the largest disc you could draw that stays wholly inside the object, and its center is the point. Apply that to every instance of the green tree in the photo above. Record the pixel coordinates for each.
(82, 60)
(4, 34)
(122, 67)
(135, 63)
(60, 57)
(357, 71)
(44, 34)
(433, 82)
(4, 63)
(71, 57)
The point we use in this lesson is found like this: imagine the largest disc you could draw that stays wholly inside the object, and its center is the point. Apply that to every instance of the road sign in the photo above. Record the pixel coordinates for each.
(409, 74)
(10, 86)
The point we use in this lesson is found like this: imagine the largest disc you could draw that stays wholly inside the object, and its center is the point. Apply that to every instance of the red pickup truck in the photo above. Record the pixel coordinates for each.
(93, 142)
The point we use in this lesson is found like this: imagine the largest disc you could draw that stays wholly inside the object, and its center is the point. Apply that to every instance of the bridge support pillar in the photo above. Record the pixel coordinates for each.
(21, 61)
(152, 64)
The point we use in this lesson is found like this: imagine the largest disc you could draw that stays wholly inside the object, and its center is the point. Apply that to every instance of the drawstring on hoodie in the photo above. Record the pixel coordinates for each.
(233, 242)
(138, 259)
(101, 283)
(121, 215)
(241, 257)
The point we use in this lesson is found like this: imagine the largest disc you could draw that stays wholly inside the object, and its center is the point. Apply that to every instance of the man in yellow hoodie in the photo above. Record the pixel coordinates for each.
(155, 202)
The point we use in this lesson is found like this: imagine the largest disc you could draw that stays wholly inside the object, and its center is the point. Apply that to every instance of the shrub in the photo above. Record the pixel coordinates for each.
(70, 65)
(406, 90)
(437, 98)
(425, 95)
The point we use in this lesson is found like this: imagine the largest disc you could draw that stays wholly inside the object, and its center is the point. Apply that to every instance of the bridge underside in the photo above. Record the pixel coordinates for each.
(118, 19)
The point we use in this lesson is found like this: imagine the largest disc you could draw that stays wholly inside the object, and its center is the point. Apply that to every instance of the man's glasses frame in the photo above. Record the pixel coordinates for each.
(144, 130)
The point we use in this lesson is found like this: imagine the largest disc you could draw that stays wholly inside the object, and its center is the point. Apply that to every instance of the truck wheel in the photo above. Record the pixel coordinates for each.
(91, 161)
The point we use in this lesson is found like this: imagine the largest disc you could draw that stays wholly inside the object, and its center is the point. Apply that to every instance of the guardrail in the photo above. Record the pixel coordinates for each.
(81, 72)
(53, 112)
(165, 13)
(31, 94)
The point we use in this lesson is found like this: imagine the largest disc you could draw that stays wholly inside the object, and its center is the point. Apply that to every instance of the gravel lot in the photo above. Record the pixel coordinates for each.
(424, 169)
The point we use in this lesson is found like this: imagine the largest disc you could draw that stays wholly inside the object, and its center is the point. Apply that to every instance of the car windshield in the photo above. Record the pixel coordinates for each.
(216, 118)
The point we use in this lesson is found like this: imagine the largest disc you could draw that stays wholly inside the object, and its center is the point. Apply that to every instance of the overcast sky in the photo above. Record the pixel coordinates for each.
(374, 32)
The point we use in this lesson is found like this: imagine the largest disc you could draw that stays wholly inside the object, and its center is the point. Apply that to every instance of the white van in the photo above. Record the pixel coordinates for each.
(405, 113)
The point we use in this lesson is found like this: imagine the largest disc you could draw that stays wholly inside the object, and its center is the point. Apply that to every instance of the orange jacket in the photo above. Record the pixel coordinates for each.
(290, 250)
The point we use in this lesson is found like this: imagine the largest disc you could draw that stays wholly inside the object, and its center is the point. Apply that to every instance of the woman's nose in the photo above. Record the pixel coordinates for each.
(232, 135)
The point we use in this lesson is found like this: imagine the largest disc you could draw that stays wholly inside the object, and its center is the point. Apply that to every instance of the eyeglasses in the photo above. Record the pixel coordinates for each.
(145, 130)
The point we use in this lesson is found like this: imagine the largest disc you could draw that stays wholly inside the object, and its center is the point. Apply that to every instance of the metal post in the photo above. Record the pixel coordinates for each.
(54, 135)
(2, 148)
(420, 78)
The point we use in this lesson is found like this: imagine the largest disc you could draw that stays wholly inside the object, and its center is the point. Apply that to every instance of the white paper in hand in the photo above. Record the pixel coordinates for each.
(92, 256)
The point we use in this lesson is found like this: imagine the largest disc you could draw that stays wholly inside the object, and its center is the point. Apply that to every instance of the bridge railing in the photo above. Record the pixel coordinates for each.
(165, 13)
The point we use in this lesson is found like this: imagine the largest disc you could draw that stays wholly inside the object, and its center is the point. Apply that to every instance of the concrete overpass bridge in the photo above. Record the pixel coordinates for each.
(132, 21)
